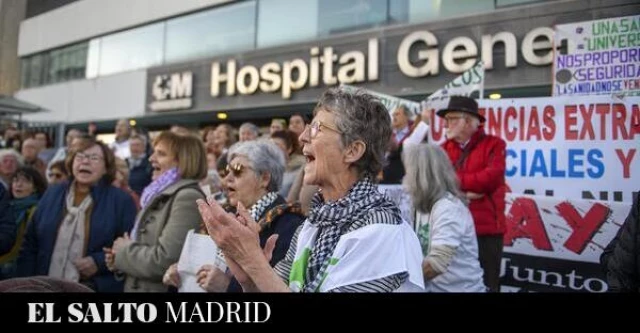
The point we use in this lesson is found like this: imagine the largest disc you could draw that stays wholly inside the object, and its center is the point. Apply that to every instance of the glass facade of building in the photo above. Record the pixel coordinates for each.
(237, 27)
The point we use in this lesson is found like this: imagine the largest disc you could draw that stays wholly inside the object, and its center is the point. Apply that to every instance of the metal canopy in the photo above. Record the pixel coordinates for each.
(10, 105)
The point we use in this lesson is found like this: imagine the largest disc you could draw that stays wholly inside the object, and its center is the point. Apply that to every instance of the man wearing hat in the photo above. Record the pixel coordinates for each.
(479, 160)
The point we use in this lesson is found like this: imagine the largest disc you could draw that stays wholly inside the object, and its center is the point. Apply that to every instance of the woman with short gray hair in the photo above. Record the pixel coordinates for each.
(443, 222)
(264, 158)
(254, 176)
(354, 239)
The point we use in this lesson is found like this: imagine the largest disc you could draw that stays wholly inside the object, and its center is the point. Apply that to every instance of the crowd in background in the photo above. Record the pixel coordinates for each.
(306, 214)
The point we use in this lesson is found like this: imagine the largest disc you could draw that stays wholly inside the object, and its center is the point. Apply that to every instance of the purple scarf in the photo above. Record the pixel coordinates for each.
(165, 180)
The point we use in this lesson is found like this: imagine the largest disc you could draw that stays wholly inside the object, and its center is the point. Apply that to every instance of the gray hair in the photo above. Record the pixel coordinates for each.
(264, 157)
(11, 152)
(360, 116)
(251, 127)
(429, 175)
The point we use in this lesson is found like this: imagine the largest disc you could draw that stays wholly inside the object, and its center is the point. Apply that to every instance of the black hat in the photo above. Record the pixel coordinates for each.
(461, 104)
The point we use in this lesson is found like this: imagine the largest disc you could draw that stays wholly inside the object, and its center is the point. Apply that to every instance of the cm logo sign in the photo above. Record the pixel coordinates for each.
(172, 92)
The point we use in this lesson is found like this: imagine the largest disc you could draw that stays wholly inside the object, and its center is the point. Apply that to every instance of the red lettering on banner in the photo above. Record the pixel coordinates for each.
(603, 110)
(549, 131)
(619, 114)
(587, 126)
(626, 161)
(495, 122)
(437, 131)
(534, 124)
(510, 134)
(522, 128)
(570, 122)
(583, 228)
(635, 121)
(524, 221)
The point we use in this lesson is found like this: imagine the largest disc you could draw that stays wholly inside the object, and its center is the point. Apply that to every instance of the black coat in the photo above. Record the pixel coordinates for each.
(621, 258)
(8, 225)
(283, 220)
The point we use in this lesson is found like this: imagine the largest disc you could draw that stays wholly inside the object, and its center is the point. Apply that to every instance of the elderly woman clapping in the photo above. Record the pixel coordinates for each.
(443, 222)
(254, 176)
(354, 239)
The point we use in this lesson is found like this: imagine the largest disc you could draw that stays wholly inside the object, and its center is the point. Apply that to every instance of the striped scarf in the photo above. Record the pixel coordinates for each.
(333, 219)
(261, 205)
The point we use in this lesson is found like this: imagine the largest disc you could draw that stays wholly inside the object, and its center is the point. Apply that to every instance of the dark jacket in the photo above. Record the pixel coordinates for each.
(480, 167)
(7, 224)
(282, 219)
(140, 176)
(393, 170)
(621, 258)
(112, 214)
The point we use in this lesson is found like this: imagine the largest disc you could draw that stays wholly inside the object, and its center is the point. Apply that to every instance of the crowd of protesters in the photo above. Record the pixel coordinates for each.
(293, 208)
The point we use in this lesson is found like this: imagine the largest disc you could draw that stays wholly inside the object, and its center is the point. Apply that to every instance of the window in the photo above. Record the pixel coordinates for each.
(217, 31)
(93, 58)
(338, 16)
(67, 63)
(131, 49)
(416, 11)
(286, 21)
(59, 65)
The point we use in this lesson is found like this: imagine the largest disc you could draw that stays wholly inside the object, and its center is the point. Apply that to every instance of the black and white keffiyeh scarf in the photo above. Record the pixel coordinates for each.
(362, 205)
(261, 205)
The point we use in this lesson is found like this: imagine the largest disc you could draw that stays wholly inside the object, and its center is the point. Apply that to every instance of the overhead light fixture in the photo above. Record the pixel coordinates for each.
(132, 122)
(495, 96)
(222, 115)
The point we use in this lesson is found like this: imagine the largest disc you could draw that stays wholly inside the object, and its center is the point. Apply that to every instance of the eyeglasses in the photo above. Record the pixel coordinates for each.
(314, 128)
(93, 158)
(237, 169)
(453, 118)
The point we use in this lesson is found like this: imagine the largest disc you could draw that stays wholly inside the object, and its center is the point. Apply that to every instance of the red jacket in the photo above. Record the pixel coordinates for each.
(482, 171)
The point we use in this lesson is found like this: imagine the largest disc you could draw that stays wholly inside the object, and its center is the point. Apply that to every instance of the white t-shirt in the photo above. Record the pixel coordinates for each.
(121, 149)
(450, 223)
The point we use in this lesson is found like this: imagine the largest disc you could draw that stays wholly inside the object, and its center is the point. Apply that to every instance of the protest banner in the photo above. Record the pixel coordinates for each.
(550, 244)
(553, 244)
(602, 57)
(564, 147)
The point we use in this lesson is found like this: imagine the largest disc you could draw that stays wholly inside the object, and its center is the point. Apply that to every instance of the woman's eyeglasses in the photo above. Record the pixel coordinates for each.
(237, 169)
(93, 158)
(315, 126)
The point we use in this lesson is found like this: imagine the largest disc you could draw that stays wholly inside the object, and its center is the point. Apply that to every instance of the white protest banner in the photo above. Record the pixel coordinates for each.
(583, 148)
(602, 57)
(555, 245)
(390, 102)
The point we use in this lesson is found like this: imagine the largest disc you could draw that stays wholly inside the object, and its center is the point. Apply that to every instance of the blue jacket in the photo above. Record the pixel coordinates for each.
(112, 214)
(140, 176)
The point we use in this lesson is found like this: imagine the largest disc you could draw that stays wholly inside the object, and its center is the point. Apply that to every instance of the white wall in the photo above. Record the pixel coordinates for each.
(89, 18)
(104, 98)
